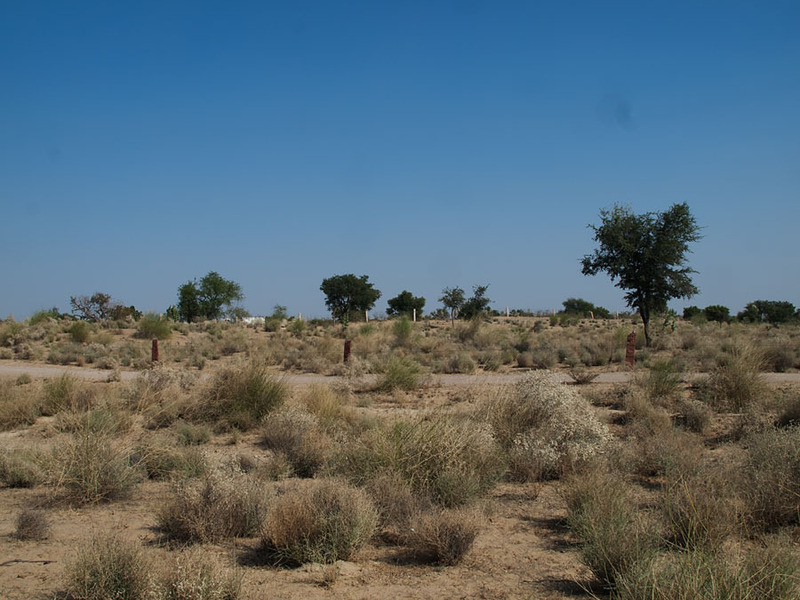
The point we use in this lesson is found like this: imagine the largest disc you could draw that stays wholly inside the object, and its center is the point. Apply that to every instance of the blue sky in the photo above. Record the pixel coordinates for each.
(423, 143)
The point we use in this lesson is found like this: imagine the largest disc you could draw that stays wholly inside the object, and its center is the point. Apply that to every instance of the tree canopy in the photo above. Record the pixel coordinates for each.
(453, 300)
(768, 311)
(348, 297)
(476, 305)
(405, 303)
(646, 256)
(584, 308)
(209, 298)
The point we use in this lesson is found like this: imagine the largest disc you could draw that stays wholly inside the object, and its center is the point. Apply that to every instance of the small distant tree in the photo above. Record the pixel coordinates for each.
(97, 307)
(453, 300)
(584, 308)
(717, 313)
(693, 312)
(477, 305)
(646, 255)
(348, 297)
(189, 309)
(767, 311)
(209, 298)
(405, 303)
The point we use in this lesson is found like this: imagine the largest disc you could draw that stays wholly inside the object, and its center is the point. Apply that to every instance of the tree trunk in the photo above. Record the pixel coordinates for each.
(645, 314)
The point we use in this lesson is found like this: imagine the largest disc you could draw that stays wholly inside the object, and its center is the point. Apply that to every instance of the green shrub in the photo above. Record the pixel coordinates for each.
(108, 568)
(152, 325)
(320, 521)
(402, 329)
(241, 396)
(543, 426)
(79, 332)
(401, 373)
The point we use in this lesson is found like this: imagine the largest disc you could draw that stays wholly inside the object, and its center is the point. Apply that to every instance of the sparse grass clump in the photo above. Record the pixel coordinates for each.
(108, 568)
(194, 574)
(762, 572)
(241, 396)
(92, 467)
(448, 460)
(770, 478)
(662, 384)
(543, 426)
(220, 506)
(191, 434)
(295, 433)
(66, 393)
(614, 535)
(19, 406)
(321, 521)
(20, 469)
(701, 509)
(737, 385)
(162, 460)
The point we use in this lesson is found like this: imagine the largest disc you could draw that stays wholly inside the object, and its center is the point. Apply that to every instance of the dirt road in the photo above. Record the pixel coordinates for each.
(15, 368)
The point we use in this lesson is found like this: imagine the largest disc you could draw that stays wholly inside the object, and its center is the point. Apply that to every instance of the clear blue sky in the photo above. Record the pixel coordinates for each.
(423, 143)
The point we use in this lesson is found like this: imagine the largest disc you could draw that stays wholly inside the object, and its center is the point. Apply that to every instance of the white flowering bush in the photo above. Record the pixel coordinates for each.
(543, 425)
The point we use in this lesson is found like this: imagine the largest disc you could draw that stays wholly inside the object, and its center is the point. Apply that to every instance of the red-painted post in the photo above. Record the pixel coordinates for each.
(154, 354)
(630, 349)
(347, 349)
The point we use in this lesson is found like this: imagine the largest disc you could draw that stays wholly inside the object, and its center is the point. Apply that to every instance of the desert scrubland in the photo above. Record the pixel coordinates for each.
(211, 474)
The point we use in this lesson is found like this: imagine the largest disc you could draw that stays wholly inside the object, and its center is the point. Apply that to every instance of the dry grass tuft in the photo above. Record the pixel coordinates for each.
(106, 568)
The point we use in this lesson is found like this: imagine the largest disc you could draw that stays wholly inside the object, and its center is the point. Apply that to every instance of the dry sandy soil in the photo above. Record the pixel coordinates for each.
(523, 551)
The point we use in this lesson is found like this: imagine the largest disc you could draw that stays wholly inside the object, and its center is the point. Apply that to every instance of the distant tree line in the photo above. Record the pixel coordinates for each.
(758, 311)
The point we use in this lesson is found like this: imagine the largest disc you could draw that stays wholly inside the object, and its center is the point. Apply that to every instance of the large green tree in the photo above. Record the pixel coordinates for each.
(211, 298)
(348, 297)
(646, 256)
(405, 303)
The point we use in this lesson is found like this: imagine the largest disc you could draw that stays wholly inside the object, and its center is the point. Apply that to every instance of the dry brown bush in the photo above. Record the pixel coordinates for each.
(443, 536)
(321, 520)
(295, 433)
(543, 423)
(221, 505)
(32, 524)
